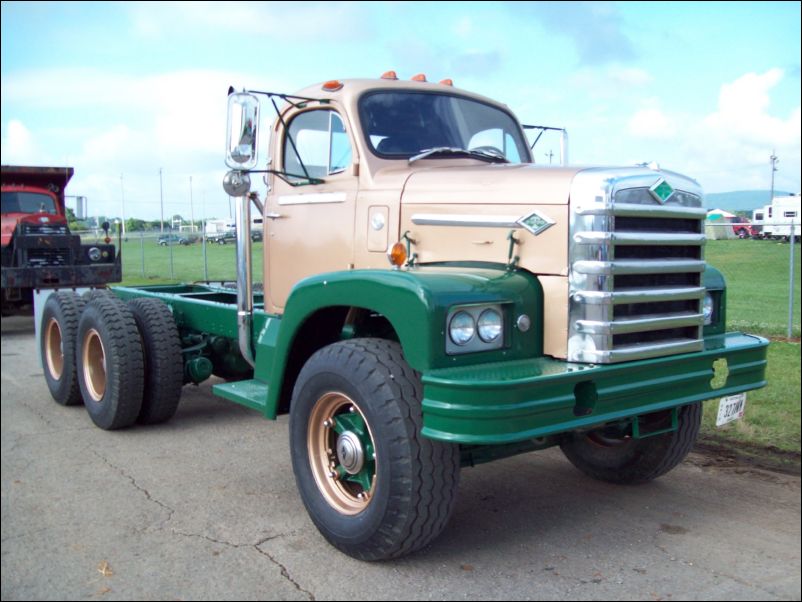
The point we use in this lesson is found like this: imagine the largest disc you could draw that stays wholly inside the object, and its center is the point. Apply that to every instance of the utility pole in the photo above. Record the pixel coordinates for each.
(191, 208)
(774, 160)
(122, 199)
(161, 197)
(550, 155)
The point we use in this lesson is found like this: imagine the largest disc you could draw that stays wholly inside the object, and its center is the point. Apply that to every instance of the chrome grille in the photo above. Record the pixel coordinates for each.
(636, 266)
(48, 257)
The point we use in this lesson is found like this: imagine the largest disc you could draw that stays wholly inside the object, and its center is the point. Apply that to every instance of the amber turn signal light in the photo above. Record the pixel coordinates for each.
(397, 254)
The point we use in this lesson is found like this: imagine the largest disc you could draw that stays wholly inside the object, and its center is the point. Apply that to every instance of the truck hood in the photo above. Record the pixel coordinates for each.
(468, 212)
(10, 221)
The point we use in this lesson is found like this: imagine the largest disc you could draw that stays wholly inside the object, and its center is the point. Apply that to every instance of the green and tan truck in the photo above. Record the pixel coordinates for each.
(432, 300)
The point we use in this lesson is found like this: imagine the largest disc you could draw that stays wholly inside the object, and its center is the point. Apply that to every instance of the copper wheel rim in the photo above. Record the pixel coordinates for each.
(54, 349)
(94, 365)
(341, 453)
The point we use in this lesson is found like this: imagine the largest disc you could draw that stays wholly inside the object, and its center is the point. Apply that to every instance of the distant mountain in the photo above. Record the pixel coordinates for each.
(740, 200)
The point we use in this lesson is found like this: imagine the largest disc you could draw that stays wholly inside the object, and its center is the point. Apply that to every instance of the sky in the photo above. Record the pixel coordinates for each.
(122, 92)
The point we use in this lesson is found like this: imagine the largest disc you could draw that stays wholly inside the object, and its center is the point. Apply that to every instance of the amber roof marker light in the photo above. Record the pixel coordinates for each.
(333, 85)
(389, 75)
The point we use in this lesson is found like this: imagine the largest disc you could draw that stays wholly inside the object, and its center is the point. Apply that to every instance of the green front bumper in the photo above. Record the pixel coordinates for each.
(517, 400)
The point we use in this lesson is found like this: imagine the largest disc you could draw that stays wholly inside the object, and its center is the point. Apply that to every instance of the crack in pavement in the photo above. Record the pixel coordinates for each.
(138, 487)
(284, 571)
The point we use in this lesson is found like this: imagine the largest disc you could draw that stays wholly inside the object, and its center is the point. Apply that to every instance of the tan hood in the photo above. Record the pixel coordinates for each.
(466, 213)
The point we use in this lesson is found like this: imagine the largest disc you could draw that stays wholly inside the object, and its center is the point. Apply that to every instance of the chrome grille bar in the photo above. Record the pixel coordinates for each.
(635, 283)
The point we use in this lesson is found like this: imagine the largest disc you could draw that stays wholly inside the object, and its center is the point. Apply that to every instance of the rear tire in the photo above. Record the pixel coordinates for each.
(626, 460)
(59, 330)
(356, 413)
(110, 364)
(164, 365)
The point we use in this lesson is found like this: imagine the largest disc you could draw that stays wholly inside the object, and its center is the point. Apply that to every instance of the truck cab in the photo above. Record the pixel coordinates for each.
(38, 249)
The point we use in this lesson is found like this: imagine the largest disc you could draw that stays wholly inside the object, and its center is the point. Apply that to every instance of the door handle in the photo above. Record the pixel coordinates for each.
(274, 215)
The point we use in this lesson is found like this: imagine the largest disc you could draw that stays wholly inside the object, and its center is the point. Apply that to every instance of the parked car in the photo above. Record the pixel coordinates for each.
(223, 237)
(172, 239)
(231, 236)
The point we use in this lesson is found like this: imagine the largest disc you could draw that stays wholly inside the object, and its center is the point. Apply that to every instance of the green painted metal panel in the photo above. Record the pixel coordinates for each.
(416, 303)
(518, 400)
(250, 393)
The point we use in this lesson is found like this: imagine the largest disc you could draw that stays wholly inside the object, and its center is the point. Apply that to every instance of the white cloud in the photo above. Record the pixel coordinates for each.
(651, 124)
(733, 143)
(17, 145)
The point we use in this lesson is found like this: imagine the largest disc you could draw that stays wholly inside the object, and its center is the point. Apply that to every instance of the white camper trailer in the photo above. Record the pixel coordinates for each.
(777, 220)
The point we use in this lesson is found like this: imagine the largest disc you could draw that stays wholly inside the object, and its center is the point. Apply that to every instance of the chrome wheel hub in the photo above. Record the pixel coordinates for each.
(350, 452)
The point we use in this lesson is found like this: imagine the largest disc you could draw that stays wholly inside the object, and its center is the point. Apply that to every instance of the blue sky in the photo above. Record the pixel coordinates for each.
(124, 89)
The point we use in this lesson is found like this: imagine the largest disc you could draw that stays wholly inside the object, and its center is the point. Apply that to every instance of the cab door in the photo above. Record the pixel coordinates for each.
(310, 227)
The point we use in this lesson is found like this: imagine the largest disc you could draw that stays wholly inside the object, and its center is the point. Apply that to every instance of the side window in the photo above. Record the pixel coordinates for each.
(321, 145)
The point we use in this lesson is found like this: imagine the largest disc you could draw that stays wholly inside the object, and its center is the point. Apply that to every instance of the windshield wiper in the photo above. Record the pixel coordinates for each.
(481, 154)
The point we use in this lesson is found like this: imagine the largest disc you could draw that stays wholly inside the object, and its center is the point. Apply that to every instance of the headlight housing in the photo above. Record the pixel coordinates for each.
(489, 325)
(461, 328)
(94, 254)
(708, 308)
(472, 328)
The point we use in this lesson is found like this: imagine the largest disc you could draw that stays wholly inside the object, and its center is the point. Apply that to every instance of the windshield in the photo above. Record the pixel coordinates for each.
(28, 202)
(401, 125)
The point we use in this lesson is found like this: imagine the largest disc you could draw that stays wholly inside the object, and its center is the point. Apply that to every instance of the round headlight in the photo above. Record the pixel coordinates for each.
(94, 254)
(707, 309)
(461, 328)
(489, 325)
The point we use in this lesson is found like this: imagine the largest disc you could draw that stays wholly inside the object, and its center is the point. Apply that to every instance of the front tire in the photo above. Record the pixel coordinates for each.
(624, 460)
(373, 486)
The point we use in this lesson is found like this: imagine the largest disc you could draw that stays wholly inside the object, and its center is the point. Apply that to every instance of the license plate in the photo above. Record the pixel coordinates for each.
(731, 408)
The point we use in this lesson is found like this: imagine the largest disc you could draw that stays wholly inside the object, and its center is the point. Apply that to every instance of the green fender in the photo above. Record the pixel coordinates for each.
(416, 304)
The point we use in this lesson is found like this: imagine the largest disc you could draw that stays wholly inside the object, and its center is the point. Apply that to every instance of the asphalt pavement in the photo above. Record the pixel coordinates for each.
(205, 507)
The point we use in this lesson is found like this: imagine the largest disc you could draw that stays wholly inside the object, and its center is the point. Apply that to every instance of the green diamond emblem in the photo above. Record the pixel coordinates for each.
(661, 191)
(535, 222)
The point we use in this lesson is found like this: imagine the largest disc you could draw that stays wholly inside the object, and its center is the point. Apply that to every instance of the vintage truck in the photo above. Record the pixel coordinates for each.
(38, 249)
(432, 300)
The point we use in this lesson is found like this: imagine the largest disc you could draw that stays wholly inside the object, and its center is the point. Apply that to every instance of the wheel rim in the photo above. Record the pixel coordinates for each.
(342, 453)
(94, 365)
(54, 349)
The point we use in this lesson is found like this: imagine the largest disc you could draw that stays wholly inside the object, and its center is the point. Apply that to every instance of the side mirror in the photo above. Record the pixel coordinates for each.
(243, 122)
(105, 226)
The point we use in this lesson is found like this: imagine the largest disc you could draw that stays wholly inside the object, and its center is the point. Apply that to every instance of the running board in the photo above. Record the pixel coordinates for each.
(250, 393)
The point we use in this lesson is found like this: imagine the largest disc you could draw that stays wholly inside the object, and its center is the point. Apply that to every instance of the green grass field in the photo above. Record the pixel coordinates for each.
(757, 274)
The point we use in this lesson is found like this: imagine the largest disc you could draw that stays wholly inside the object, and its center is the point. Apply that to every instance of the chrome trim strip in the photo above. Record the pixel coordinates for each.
(642, 324)
(626, 267)
(638, 238)
(473, 220)
(646, 295)
(641, 352)
(633, 210)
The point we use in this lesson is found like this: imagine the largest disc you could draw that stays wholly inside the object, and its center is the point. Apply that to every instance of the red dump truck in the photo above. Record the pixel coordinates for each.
(38, 249)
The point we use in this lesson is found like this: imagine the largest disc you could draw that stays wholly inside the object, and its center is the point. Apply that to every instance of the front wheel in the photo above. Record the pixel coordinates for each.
(373, 486)
(617, 458)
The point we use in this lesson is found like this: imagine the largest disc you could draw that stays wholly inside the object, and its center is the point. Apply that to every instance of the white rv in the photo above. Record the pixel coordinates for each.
(777, 219)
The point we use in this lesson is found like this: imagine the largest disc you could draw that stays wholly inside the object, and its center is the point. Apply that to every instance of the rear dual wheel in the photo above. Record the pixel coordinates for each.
(110, 363)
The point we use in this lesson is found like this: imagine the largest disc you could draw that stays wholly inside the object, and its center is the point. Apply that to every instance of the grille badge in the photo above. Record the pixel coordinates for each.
(661, 191)
(535, 222)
